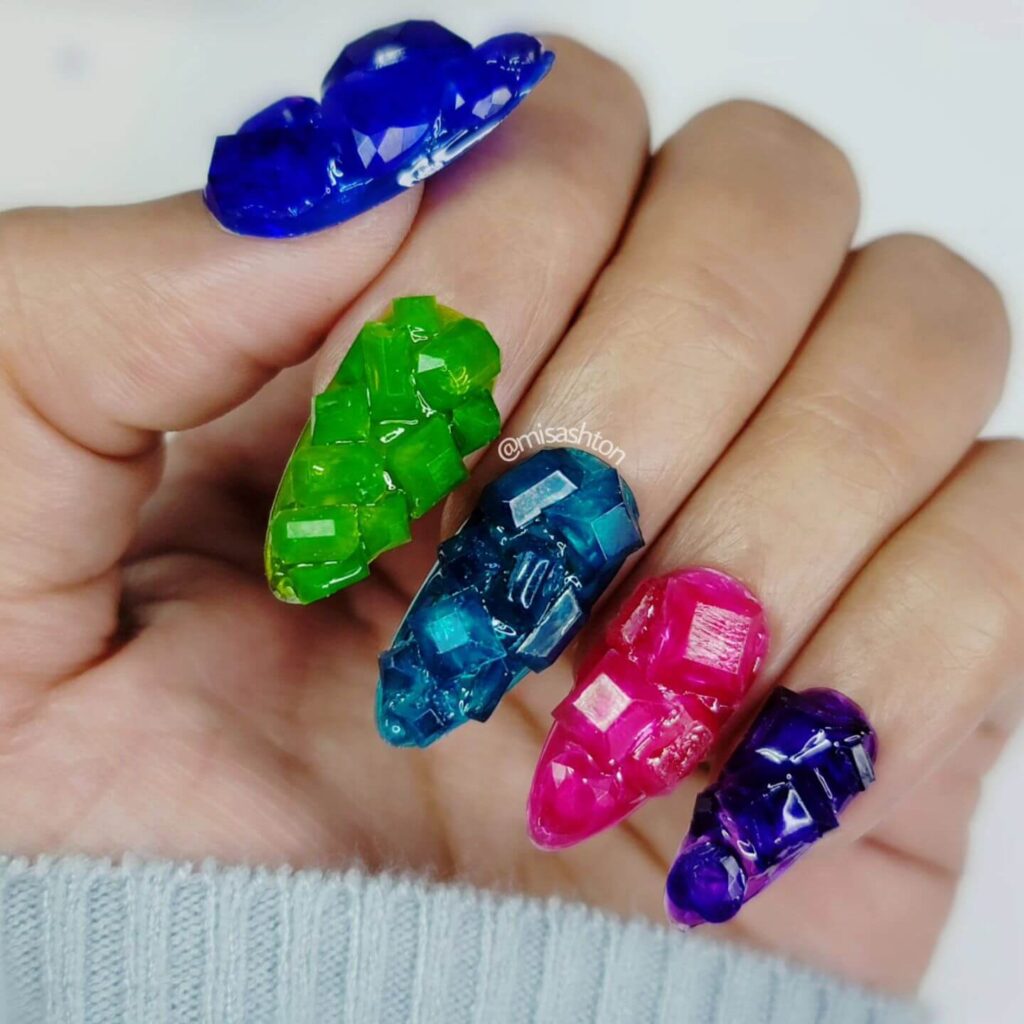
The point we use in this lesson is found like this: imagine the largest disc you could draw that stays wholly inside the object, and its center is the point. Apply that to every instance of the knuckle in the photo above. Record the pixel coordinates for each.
(949, 296)
(695, 322)
(952, 279)
(866, 428)
(953, 559)
(982, 519)
(1008, 453)
(769, 127)
(998, 465)
(615, 97)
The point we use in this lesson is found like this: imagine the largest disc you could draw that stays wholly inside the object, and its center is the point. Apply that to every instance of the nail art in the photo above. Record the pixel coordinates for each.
(383, 445)
(397, 106)
(509, 592)
(648, 702)
(806, 756)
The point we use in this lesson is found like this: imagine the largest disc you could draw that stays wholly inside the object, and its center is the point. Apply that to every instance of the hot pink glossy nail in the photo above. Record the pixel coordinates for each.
(648, 702)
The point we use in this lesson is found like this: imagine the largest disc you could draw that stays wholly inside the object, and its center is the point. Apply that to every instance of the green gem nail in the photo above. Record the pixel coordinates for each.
(384, 444)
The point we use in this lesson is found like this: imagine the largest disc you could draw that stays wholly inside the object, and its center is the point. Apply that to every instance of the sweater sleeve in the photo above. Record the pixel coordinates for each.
(96, 942)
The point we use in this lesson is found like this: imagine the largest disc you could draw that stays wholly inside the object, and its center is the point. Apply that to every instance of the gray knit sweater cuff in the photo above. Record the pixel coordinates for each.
(97, 943)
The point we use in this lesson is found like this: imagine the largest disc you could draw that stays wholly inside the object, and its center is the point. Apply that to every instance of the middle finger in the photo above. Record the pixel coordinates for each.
(742, 226)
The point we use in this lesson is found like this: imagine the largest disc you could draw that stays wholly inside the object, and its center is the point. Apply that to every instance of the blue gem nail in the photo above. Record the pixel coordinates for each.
(397, 106)
(806, 756)
(509, 592)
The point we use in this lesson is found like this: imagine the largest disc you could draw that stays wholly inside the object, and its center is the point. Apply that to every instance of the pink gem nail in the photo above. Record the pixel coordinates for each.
(648, 702)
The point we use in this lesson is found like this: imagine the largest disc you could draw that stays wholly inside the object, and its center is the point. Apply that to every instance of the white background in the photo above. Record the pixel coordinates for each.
(116, 100)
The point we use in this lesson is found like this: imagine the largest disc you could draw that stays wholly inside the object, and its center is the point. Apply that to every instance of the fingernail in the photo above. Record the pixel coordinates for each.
(508, 593)
(383, 445)
(397, 105)
(648, 703)
(806, 756)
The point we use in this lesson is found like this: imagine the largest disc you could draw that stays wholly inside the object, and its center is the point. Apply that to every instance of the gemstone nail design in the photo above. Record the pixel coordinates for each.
(649, 701)
(508, 593)
(383, 445)
(806, 756)
(397, 105)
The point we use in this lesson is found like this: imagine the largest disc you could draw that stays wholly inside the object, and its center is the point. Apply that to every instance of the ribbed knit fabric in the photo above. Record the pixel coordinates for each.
(96, 943)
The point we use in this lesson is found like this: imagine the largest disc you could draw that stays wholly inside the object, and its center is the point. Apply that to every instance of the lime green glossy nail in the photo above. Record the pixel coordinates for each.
(384, 444)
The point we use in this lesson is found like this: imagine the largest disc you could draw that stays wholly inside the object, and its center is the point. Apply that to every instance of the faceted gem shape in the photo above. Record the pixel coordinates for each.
(393, 45)
(291, 112)
(384, 524)
(350, 473)
(396, 106)
(315, 534)
(648, 702)
(475, 418)
(277, 181)
(456, 362)
(341, 415)
(806, 756)
(509, 592)
(376, 453)
(425, 463)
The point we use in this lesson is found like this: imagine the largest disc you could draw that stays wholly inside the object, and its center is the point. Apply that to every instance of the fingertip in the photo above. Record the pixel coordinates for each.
(152, 317)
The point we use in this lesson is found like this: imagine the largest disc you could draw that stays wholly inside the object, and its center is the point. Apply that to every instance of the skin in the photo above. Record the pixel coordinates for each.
(799, 414)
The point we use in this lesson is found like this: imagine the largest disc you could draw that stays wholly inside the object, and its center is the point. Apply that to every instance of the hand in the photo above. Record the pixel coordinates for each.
(799, 415)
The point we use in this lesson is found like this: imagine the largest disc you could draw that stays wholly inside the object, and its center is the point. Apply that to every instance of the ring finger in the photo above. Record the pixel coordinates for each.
(857, 434)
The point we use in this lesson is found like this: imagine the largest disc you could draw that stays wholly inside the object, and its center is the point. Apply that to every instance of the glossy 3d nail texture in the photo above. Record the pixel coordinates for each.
(648, 702)
(383, 445)
(806, 756)
(509, 592)
(397, 106)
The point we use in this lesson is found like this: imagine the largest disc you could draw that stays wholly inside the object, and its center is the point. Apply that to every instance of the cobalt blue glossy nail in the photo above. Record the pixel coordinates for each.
(396, 106)
(806, 756)
(509, 592)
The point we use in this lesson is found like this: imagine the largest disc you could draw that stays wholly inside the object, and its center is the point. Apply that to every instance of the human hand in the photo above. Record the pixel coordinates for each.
(799, 416)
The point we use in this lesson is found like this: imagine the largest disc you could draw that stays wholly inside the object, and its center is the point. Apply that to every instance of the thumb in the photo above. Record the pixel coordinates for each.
(115, 325)
(127, 320)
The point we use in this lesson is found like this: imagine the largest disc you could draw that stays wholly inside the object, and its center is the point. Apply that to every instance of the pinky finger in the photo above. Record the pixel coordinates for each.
(928, 641)
(930, 636)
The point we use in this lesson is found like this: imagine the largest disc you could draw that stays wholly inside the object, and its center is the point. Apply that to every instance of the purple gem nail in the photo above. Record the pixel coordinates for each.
(806, 756)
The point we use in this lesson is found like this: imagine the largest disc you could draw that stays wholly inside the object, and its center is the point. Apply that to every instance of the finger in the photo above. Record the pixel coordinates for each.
(512, 235)
(147, 318)
(927, 640)
(165, 348)
(929, 636)
(853, 439)
(740, 230)
(119, 324)
(892, 386)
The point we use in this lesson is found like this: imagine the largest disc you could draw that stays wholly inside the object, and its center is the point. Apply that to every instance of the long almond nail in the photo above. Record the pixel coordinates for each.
(384, 445)
(648, 702)
(509, 592)
(806, 756)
